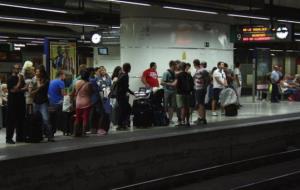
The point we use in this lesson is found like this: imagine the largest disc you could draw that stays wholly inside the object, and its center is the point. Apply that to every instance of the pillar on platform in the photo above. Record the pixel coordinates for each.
(155, 34)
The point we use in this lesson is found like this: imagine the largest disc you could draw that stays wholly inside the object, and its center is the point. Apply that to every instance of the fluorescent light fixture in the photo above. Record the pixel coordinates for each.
(1, 40)
(130, 2)
(248, 16)
(30, 38)
(72, 24)
(32, 44)
(37, 42)
(190, 10)
(5, 37)
(276, 50)
(272, 54)
(32, 8)
(297, 34)
(16, 19)
(19, 45)
(297, 40)
(290, 21)
(111, 37)
(115, 27)
(251, 49)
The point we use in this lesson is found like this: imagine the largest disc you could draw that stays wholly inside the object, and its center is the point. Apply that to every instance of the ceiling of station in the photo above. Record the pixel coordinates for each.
(106, 13)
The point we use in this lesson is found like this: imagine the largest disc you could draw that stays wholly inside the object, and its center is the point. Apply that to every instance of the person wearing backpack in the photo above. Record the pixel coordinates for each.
(201, 81)
(184, 86)
(169, 90)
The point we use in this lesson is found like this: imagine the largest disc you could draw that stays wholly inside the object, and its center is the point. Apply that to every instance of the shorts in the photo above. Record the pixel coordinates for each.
(216, 94)
(200, 97)
(170, 100)
(183, 100)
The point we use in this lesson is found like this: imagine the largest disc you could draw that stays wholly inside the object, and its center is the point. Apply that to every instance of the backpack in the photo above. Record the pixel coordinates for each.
(186, 85)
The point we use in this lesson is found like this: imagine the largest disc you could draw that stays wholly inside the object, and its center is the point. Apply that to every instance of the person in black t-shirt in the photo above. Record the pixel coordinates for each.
(16, 106)
(184, 86)
(40, 100)
(122, 98)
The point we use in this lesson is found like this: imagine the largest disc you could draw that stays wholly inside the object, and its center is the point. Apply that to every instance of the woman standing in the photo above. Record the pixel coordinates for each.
(84, 92)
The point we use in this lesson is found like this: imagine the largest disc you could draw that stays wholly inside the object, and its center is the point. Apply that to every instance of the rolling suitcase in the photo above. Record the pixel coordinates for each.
(142, 113)
(231, 110)
(34, 128)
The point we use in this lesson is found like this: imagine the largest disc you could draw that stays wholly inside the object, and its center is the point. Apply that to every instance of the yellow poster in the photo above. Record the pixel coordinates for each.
(62, 57)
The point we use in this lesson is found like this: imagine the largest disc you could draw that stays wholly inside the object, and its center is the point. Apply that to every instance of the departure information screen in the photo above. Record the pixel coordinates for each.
(261, 33)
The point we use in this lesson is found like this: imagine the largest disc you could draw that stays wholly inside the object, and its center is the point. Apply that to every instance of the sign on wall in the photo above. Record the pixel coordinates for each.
(261, 33)
(62, 56)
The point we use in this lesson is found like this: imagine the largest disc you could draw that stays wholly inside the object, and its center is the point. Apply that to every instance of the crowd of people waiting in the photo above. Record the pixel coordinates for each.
(91, 97)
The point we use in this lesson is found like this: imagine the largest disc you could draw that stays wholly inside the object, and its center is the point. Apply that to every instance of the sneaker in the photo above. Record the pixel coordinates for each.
(101, 132)
(214, 113)
(10, 142)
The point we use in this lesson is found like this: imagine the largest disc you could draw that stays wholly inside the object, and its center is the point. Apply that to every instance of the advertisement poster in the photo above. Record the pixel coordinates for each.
(62, 57)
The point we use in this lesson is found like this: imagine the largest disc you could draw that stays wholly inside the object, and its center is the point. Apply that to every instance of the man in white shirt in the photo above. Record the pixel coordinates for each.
(275, 78)
(237, 81)
(219, 83)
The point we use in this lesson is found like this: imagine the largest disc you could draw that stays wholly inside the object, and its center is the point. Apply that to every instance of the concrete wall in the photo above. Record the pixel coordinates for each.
(160, 35)
(109, 61)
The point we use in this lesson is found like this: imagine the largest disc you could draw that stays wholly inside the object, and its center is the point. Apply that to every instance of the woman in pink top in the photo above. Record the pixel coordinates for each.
(84, 92)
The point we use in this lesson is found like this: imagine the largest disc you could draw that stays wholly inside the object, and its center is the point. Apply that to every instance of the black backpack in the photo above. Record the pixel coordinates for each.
(187, 85)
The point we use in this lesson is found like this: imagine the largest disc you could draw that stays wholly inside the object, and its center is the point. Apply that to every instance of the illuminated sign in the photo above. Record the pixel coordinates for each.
(261, 33)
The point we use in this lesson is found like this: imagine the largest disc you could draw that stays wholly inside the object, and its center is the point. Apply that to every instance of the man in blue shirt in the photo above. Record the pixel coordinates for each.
(56, 97)
(56, 89)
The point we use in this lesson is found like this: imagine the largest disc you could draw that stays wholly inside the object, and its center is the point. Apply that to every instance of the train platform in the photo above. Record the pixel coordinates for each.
(128, 157)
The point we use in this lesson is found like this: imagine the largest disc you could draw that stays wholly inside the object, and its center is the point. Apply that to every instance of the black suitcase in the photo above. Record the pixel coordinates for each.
(231, 110)
(160, 118)
(142, 113)
(105, 122)
(34, 127)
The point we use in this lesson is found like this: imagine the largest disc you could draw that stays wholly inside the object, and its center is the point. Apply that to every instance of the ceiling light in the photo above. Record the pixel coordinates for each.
(6, 37)
(111, 37)
(37, 42)
(16, 19)
(297, 34)
(115, 27)
(247, 16)
(1, 40)
(31, 8)
(29, 38)
(297, 40)
(289, 21)
(190, 10)
(72, 24)
(32, 44)
(276, 50)
(19, 45)
(130, 2)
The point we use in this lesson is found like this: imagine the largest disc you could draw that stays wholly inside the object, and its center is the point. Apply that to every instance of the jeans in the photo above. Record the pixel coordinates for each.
(43, 109)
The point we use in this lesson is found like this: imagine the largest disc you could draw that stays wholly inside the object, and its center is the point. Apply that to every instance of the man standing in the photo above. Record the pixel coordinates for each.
(219, 82)
(56, 96)
(275, 78)
(201, 80)
(185, 85)
(150, 76)
(122, 98)
(170, 91)
(16, 106)
(238, 81)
